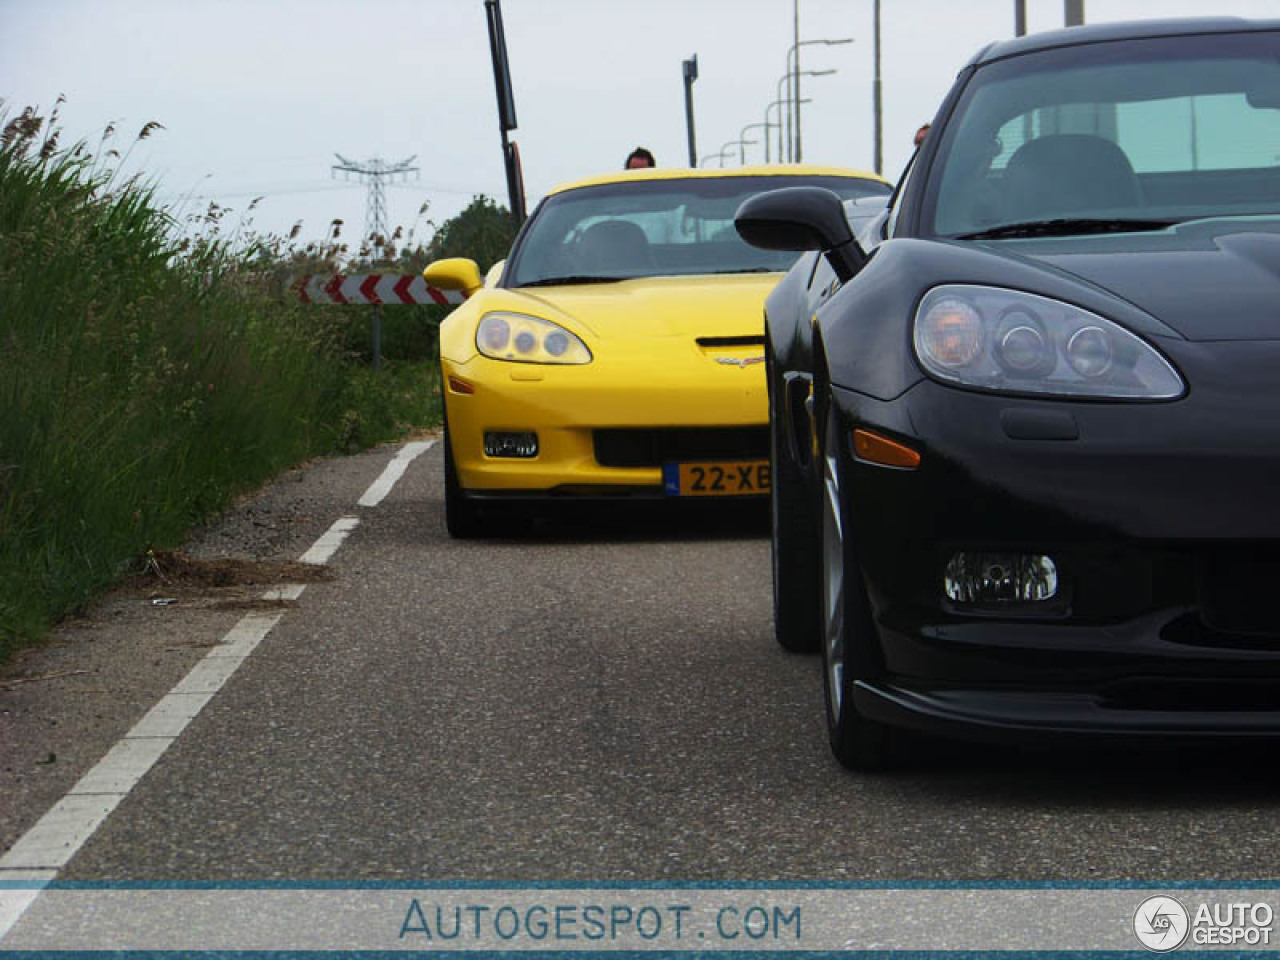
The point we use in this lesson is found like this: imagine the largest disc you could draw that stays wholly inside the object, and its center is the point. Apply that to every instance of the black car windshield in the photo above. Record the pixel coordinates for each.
(1111, 136)
(645, 228)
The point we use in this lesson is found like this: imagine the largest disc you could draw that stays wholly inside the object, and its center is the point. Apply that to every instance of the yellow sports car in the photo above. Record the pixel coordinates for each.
(618, 351)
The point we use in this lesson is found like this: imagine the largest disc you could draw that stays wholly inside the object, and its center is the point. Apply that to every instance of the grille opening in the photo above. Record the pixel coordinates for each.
(1167, 693)
(654, 446)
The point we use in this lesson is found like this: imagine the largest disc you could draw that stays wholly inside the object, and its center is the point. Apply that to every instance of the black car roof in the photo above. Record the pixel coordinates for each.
(1134, 29)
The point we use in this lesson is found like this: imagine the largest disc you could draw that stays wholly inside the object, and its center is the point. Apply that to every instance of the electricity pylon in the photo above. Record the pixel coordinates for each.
(374, 173)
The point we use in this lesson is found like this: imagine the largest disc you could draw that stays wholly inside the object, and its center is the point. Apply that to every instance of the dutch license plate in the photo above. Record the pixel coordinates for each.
(716, 478)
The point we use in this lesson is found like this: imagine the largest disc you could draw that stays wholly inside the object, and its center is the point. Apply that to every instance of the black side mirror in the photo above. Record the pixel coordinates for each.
(802, 218)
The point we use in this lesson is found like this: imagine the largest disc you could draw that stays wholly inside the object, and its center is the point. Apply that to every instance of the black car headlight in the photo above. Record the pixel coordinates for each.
(522, 338)
(1013, 342)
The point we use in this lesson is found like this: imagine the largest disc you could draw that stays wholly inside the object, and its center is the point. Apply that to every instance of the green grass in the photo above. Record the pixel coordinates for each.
(144, 381)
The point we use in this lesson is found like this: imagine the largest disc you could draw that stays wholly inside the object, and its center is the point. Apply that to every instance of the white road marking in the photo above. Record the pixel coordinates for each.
(393, 472)
(18, 890)
(59, 833)
(209, 675)
(245, 635)
(123, 766)
(170, 715)
(34, 861)
(290, 591)
(330, 541)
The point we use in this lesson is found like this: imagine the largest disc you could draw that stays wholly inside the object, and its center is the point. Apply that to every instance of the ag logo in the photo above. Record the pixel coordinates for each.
(1161, 923)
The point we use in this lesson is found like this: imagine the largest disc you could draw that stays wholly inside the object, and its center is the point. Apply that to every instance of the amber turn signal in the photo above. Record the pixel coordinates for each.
(888, 453)
(458, 385)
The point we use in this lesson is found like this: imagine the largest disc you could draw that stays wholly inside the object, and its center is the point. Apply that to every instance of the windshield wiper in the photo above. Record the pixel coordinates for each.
(1066, 227)
(571, 280)
(750, 270)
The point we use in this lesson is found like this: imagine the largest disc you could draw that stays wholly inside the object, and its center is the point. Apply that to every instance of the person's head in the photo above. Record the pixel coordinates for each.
(640, 157)
(922, 133)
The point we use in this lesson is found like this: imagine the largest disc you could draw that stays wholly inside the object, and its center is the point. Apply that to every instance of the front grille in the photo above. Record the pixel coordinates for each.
(654, 446)
(1190, 694)
(1236, 590)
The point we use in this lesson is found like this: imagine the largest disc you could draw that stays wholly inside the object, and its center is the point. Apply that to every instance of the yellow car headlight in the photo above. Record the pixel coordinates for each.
(521, 338)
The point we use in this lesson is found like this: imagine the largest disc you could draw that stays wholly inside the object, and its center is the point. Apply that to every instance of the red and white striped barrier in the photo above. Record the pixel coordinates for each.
(374, 288)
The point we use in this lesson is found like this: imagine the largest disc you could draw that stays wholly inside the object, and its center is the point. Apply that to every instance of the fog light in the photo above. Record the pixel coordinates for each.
(510, 444)
(1000, 578)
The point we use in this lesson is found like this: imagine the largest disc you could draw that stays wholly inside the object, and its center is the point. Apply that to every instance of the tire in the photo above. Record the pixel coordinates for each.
(846, 630)
(793, 538)
(461, 516)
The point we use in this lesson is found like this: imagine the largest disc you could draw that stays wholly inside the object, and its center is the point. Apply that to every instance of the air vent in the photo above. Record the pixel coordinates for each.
(731, 341)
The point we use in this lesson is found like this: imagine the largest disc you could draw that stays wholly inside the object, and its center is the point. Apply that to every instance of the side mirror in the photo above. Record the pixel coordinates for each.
(454, 273)
(802, 218)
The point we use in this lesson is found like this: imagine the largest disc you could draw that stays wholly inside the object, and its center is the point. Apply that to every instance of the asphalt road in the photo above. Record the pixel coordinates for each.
(603, 700)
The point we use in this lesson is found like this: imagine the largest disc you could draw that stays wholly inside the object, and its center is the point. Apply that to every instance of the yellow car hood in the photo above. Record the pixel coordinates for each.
(655, 307)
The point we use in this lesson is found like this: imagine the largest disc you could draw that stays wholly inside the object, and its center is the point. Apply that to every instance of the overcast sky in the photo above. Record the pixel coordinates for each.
(257, 95)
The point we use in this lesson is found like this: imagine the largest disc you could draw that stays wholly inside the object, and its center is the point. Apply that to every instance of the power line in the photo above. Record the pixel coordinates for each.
(271, 192)
(456, 191)
(281, 190)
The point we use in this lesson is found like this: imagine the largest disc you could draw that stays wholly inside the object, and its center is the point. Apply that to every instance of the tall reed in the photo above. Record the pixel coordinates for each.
(144, 380)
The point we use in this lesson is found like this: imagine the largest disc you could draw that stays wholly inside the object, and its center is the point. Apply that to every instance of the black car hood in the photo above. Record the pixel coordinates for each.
(1207, 279)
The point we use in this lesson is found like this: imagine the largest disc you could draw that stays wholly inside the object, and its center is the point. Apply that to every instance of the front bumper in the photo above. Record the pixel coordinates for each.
(603, 430)
(1041, 717)
(1163, 521)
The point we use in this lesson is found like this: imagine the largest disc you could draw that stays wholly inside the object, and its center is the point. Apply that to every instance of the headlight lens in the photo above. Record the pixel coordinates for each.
(1013, 342)
(526, 339)
(951, 333)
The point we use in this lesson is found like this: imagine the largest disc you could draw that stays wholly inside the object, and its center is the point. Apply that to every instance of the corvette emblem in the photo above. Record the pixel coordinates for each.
(739, 361)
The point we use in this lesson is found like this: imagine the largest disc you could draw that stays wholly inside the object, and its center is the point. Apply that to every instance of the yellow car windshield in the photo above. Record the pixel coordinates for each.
(646, 228)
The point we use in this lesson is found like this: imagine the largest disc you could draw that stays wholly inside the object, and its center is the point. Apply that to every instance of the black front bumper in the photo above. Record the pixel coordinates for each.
(1163, 521)
(1045, 717)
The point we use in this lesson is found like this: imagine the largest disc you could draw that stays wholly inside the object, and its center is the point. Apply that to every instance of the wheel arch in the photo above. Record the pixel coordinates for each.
(867, 639)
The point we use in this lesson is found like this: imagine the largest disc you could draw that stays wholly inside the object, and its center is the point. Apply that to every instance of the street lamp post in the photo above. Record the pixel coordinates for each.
(794, 71)
(786, 78)
(786, 101)
(779, 103)
(742, 149)
(767, 125)
(725, 150)
(794, 84)
(742, 156)
(690, 71)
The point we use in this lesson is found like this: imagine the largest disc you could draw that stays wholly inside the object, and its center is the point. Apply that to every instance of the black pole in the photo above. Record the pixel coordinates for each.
(506, 107)
(515, 180)
(876, 95)
(1073, 13)
(690, 75)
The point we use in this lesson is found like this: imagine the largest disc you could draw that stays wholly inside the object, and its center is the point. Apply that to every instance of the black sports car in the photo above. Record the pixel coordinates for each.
(1025, 418)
